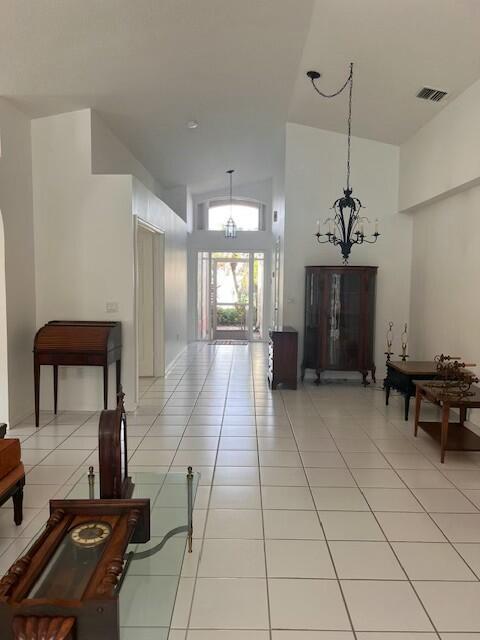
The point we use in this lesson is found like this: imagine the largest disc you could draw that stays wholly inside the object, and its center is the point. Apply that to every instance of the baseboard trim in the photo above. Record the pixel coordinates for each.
(170, 366)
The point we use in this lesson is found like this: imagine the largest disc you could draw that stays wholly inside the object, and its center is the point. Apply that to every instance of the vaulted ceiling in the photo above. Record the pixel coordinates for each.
(150, 66)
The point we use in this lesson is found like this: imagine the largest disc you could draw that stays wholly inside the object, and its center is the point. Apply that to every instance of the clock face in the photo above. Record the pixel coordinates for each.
(90, 534)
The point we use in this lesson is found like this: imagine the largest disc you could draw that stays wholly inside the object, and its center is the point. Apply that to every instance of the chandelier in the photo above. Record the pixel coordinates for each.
(230, 227)
(346, 226)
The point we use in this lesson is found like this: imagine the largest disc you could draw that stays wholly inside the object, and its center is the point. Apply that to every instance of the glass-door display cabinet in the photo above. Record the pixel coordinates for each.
(339, 320)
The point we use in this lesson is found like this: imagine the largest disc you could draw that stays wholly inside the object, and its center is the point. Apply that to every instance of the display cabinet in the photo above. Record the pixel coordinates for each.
(339, 320)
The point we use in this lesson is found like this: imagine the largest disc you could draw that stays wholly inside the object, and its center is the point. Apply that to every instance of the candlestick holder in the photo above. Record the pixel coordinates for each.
(404, 339)
(389, 351)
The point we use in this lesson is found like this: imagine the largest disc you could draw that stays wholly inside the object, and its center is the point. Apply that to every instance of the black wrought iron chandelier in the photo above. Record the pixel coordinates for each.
(230, 226)
(346, 227)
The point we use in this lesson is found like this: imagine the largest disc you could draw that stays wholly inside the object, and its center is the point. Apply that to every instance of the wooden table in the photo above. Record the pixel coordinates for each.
(459, 437)
(401, 376)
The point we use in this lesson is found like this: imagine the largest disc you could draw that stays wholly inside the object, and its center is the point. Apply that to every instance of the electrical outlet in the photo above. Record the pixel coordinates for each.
(111, 307)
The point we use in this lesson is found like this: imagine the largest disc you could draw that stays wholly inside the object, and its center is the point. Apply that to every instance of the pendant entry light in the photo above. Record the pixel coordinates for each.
(230, 227)
(346, 228)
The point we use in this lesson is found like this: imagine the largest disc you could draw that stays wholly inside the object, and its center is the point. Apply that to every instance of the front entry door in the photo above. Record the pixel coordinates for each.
(231, 299)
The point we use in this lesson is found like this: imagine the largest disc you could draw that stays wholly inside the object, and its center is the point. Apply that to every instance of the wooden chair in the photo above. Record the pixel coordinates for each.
(12, 474)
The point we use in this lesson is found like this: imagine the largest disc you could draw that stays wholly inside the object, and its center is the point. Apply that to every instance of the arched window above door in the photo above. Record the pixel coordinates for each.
(248, 215)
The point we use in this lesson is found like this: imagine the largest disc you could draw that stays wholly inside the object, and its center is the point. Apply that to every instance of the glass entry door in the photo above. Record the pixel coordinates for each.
(233, 307)
(231, 303)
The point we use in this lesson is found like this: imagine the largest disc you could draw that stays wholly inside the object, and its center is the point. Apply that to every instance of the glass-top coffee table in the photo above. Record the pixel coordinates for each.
(149, 588)
(149, 582)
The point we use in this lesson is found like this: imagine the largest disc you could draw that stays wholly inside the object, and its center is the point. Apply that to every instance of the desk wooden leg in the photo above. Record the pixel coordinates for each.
(55, 388)
(387, 393)
(444, 435)
(418, 404)
(36, 382)
(407, 406)
(105, 386)
(463, 415)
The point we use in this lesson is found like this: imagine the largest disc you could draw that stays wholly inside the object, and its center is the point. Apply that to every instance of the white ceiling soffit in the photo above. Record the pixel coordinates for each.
(150, 66)
(398, 47)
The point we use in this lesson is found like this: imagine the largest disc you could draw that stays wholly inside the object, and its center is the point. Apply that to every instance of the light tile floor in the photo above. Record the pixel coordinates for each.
(319, 516)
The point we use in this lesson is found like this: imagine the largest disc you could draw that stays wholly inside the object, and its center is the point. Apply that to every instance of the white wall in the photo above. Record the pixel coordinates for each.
(84, 246)
(178, 199)
(83, 251)
(17, 214)
(152, 210)
(443, 157)
(445, 307)
(278, 228)
(111, 156)
(440, 178)
(314, 179)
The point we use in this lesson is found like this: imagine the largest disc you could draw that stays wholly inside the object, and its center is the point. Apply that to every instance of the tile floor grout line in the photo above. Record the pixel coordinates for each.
(337, 579)
(391, 548)
(185, 551)
(200, 553)
(260, 485)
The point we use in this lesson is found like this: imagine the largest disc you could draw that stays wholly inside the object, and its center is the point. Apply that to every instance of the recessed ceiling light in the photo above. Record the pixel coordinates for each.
(192, 124)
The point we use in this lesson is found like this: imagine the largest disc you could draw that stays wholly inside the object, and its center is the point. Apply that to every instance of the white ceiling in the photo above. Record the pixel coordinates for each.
(236, 66)
(397, 47)
(149, 66)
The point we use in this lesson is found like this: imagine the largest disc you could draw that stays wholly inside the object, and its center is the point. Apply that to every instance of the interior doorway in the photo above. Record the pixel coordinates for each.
(230, 295)
(150, 301)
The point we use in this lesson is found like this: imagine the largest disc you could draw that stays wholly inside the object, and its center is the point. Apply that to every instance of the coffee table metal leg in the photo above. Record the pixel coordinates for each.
(190, 508)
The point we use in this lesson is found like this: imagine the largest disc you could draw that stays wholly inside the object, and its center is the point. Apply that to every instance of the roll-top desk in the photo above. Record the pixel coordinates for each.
(76, 343)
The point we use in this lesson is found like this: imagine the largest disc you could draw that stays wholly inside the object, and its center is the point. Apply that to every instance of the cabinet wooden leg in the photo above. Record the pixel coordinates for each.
(387, 393)
(55, 388)
(463, 415)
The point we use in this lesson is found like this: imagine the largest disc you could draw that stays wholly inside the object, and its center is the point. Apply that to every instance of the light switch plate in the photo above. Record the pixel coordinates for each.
(112, 307)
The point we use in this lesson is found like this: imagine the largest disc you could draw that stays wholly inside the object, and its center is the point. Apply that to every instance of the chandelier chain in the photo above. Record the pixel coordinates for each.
(349, 124)
(348, 81)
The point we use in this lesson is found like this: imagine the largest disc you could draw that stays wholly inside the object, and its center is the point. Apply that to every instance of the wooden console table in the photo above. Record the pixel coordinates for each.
(452, 436)
(401, 376)
(76, 343)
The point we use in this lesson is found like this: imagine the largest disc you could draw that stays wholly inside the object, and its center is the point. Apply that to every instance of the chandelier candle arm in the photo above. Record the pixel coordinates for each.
(346, 221)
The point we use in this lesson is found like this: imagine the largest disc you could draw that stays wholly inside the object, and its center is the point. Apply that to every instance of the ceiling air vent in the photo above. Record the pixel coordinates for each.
(434, 95)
